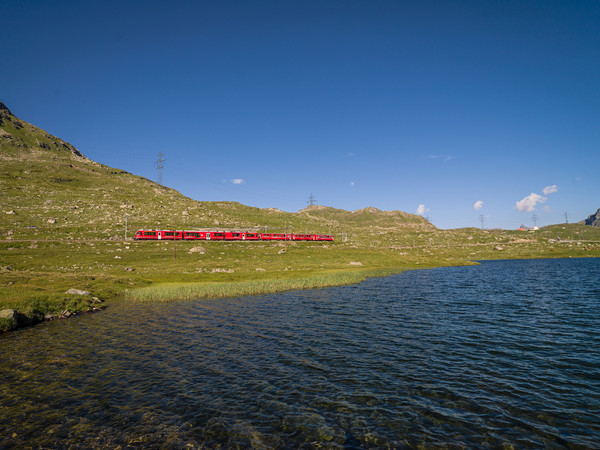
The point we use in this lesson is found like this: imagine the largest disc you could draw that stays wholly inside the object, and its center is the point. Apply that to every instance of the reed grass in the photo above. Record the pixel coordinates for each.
(189, 291)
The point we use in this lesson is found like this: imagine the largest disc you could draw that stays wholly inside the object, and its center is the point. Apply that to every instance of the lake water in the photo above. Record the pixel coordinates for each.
(502, 354)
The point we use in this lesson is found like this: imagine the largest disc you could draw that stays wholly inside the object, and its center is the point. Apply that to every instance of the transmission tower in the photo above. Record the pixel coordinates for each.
(482, 219)
(159, 166)
(311, 200)
(534, 220)
(566, 217)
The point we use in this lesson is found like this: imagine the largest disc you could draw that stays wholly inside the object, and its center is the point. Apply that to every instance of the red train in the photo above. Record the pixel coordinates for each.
(226, 236)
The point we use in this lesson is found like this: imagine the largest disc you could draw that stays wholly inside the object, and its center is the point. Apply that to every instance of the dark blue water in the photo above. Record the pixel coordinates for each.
(502, 354)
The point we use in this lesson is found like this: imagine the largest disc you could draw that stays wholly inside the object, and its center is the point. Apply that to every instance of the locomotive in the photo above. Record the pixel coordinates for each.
(226, 236)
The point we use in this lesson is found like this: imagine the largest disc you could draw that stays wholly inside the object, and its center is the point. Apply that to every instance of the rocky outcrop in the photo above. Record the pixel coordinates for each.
(43, 139)
(594, 219)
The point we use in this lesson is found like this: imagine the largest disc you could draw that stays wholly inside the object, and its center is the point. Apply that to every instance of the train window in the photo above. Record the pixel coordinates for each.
(149, 233)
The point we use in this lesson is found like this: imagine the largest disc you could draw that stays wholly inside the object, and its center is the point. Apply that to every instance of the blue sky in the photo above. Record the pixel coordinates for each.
(454, 109)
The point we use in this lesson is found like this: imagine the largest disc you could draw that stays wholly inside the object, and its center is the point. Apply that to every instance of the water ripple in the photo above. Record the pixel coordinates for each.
(502, 354)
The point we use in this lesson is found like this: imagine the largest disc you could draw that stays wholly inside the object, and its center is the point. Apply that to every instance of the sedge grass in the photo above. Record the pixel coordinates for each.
(189, 291)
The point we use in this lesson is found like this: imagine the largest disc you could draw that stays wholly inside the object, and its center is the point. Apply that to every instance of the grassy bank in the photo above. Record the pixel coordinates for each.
(188, 291)
(36, 275)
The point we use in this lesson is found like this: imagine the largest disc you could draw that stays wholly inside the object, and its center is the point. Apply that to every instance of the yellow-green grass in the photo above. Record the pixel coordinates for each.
(193, 290)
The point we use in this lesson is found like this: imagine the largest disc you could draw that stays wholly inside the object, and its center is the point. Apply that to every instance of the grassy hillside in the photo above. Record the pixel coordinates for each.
(63, 217)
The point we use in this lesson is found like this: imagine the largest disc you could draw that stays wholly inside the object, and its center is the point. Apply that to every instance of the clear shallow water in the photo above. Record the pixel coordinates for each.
(506, 353)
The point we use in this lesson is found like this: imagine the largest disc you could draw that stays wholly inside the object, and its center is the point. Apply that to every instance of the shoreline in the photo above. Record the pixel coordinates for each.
(174, 291)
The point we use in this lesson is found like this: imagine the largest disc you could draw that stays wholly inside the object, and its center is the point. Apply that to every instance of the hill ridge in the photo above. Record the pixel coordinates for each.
(53, 189)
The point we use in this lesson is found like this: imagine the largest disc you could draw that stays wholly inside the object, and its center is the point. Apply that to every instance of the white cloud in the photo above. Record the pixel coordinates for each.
(237, 181)
(352, 184)
(422, 210)
(550, 189)
(444, 158)
(529, 202)
(478, 205)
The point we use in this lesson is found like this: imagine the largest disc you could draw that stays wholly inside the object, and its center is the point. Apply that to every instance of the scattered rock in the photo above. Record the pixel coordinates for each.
(9, 212)
(223, 270)
(77, 292)
(129, 269)
(197, 249)
(469, 238)
(51, 221)
(260, 269)
(185, 213)
(117, 257)
(282, 251)
(498, 247)
(355, 263)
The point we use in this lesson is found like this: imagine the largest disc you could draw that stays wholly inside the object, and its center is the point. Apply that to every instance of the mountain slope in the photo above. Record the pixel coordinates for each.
(51, 190)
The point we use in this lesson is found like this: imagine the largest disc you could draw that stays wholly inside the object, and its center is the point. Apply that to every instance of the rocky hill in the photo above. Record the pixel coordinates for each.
(593, 219)
(51, 190)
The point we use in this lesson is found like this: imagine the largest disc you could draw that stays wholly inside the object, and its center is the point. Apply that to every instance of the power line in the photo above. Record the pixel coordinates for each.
(159, 166)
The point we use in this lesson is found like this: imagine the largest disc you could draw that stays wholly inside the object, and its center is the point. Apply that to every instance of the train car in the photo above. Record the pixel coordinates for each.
(241, 236)
(275, 237)
(194, 235)
(303, 237)
(145, 234)
(170, 235)
(158, 234)
(215, 236)
(323, 237)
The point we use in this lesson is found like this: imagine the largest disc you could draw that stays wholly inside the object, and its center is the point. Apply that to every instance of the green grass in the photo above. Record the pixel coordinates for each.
(188, 291)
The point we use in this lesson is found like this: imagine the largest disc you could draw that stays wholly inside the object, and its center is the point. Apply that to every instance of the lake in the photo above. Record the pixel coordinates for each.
(506, 353)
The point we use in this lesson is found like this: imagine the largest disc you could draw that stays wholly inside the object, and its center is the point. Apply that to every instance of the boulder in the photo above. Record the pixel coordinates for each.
(282, 251)
(197, 249)
(8, 319)
(355, 263)
(498, 247)
(77, 292)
